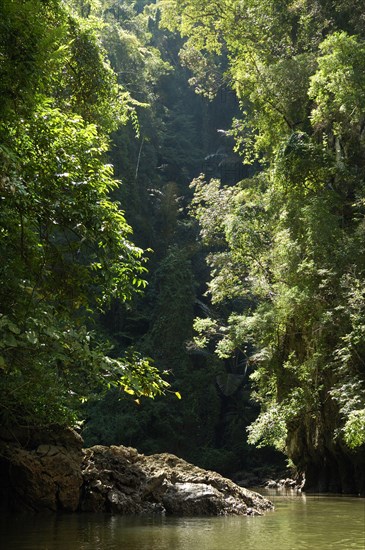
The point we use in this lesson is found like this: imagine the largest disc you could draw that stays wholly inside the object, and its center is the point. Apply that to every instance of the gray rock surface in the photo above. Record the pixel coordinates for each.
(119, 479)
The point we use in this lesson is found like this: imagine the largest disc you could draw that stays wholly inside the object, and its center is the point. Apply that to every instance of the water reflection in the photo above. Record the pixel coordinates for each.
(299, 522)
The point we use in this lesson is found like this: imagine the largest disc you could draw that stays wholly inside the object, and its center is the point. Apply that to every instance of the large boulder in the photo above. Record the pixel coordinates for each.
(47, 470)
(120, 480)
(40, 470)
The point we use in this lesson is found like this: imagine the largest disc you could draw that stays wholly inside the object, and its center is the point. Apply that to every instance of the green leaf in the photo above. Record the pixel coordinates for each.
(32, 337)
(10, 341)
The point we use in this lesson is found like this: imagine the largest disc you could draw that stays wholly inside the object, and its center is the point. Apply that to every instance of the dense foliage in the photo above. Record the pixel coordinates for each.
(288, 244)
(65, 245)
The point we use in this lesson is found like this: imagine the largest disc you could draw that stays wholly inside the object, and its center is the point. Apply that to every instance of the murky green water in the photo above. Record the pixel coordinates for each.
(298, 523)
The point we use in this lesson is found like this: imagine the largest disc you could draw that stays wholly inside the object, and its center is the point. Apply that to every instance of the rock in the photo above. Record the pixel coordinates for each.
(285, 483)
(181, 499)
(49, 471)
(40, 471)
(271, 484)
(160, 483)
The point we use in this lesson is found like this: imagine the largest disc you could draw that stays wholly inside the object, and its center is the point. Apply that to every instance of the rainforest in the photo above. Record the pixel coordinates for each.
(182, 231)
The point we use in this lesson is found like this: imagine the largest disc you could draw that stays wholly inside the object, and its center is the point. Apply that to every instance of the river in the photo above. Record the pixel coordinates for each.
(299, 522)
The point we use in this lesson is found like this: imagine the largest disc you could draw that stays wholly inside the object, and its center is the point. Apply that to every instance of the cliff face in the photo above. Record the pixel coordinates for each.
(329, 466)
(49, 471)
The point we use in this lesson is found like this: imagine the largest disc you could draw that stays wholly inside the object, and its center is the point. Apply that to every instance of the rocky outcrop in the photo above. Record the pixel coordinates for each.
(40, 470)
(286, 483)
(328, 464)
(49, 471)
(120, 480)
